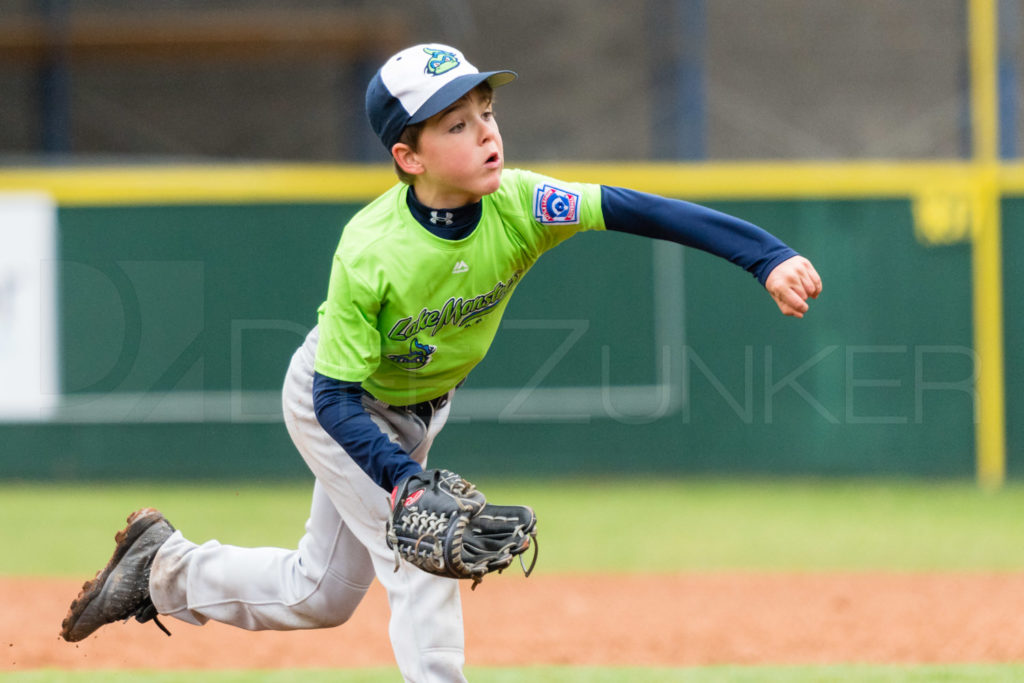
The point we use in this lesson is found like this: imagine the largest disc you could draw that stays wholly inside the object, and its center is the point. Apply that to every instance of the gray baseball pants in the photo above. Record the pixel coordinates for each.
(320, 583)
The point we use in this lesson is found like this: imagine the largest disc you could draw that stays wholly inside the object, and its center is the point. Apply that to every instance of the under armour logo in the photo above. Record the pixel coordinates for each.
(438, 218)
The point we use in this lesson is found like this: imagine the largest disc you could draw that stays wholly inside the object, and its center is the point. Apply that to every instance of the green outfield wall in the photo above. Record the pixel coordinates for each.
(617, 353)
(1013, 278)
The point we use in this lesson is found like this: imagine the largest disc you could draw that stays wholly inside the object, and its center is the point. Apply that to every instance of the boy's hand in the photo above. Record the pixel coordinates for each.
(791, 283)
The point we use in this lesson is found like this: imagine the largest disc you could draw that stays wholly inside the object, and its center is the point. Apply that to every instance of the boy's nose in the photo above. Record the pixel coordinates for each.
(487, 130)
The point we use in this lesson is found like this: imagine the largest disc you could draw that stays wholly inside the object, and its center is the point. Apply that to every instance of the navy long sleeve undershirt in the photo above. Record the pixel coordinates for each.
(739, 242)
(339, 410)
(339, 407)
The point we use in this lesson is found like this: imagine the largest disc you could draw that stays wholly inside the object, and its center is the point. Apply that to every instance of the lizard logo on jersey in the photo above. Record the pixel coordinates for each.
(553, 205)
(440, 62)
(455, 311)
(419, 356)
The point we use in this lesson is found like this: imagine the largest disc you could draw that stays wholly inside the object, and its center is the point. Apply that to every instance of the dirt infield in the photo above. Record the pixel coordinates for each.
(676, 620)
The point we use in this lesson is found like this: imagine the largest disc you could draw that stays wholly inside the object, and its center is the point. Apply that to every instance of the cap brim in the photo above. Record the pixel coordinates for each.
(450, 93)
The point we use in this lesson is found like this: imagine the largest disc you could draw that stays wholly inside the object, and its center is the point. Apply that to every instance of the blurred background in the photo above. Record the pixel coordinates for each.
(653, 79)
(169, 300)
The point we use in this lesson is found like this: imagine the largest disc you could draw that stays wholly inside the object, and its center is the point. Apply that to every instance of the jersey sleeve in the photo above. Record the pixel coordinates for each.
(349, 347)
(547, 211)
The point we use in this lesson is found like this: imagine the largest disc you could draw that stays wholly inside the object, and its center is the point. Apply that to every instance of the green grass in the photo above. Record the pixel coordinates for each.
(584, 525)
(801, 525)
(590, 525)
(714, 674)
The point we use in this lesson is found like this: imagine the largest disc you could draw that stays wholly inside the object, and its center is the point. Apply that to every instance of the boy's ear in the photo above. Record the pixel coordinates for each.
(406, 158)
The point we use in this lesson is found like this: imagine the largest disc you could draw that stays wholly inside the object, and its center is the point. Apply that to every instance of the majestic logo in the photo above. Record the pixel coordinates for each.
(460, 267)
(418, 357)
(553, 205)
(440, 62)
(456, 311)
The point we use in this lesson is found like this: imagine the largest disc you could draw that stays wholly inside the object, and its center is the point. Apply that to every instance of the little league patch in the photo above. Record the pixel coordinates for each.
(554, 205)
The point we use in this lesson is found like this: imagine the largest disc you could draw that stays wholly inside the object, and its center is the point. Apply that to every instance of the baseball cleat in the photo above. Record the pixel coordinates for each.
(121, 589)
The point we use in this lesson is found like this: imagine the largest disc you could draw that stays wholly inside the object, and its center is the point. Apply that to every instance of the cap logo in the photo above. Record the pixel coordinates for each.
(440, 62)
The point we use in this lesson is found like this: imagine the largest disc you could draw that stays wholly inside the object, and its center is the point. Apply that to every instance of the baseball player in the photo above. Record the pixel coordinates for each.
(418, 286)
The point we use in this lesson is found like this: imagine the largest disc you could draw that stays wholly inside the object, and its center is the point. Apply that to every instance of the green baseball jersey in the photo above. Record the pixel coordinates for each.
(409, 314)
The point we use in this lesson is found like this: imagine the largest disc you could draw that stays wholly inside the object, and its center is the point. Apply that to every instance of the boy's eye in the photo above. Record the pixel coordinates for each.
(457, 127)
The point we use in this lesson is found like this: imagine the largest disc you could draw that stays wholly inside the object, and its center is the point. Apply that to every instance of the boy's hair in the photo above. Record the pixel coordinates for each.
(411, 133)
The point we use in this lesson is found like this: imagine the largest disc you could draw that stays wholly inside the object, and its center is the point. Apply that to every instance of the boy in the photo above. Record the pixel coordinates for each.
(417, 289)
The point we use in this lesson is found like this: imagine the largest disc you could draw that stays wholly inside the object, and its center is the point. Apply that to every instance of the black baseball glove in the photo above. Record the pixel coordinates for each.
(442, 524)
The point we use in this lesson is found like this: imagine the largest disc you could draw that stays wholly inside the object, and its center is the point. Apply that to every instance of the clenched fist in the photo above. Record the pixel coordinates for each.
(792, 283)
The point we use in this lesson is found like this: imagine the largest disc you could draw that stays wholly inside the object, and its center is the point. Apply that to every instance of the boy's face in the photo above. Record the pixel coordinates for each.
(460, 154)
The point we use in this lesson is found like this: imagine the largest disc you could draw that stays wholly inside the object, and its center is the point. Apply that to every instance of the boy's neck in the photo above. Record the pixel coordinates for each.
(452, 224)
(435, 198)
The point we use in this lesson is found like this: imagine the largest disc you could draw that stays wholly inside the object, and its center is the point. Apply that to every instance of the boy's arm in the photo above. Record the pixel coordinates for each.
(349, 348)
(339, 410)
(788, 277)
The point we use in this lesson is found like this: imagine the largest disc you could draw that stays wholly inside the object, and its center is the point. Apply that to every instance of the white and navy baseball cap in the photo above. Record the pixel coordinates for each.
(419, 82)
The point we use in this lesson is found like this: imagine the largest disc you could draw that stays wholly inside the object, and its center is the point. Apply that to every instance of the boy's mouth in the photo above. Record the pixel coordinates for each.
(493, 159)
